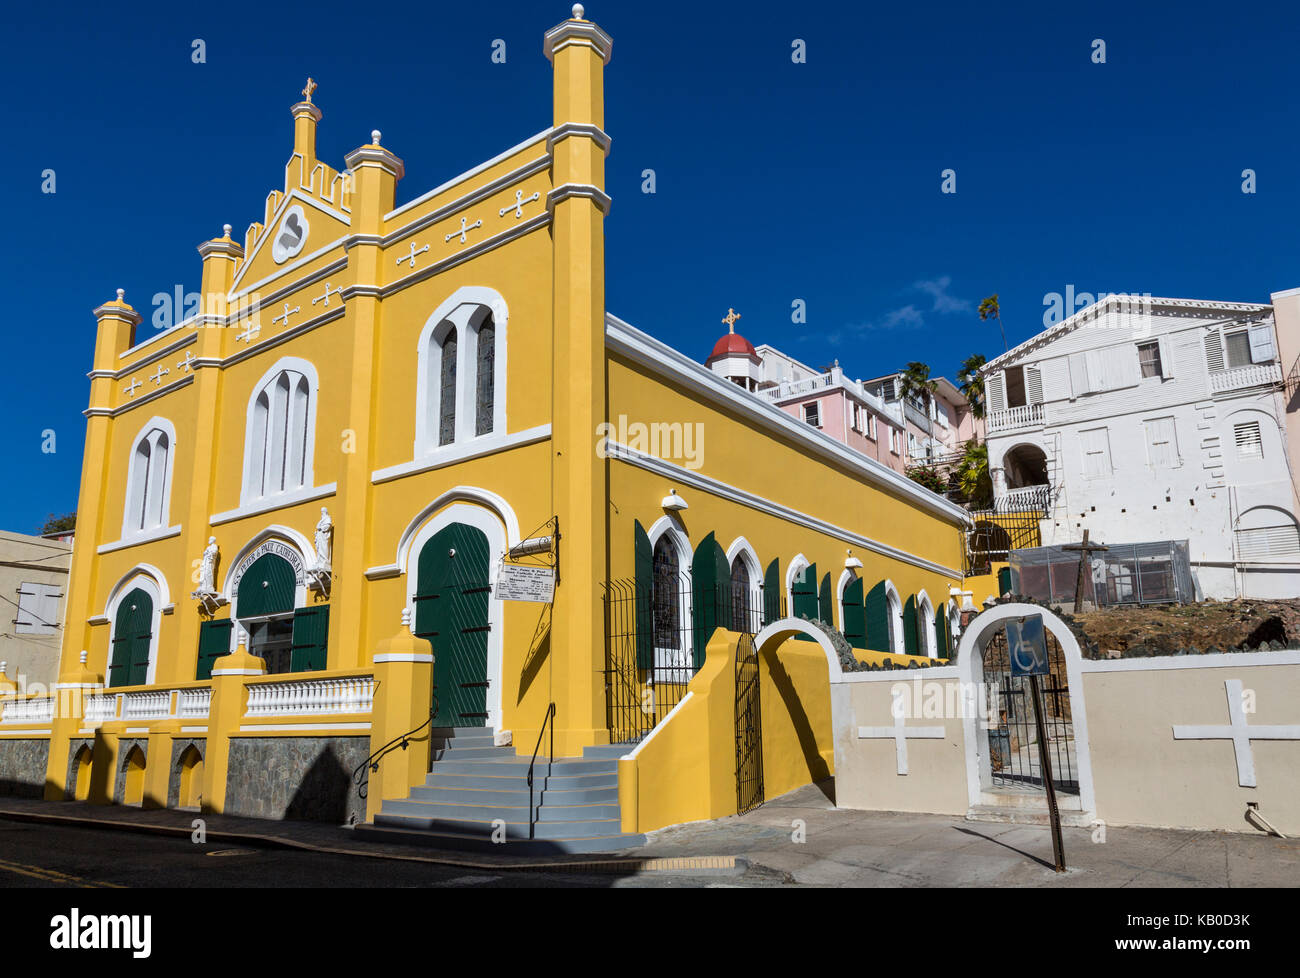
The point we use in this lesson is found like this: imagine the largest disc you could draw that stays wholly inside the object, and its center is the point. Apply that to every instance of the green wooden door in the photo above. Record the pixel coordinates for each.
(452, 602)
(911, 628)
(132, 633)
(877, 606)
(772, 592)
(711, 583)
(214, 642)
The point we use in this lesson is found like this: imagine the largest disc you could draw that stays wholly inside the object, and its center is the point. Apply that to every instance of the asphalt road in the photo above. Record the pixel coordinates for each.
(36, 855)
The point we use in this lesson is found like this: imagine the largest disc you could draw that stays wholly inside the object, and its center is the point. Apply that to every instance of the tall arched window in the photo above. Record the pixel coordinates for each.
(447, 389)
(280, 440)
(461, 380)
(895, 620)
(741, 588)
(149, 479)
(665, 601)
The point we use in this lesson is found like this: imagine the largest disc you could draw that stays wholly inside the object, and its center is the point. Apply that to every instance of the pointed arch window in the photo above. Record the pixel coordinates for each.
(149, 471)
(461, 379)
(281, 435)
(741, 597)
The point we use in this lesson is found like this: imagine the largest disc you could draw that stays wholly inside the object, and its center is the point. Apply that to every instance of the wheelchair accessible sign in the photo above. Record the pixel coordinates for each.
(1027, 646)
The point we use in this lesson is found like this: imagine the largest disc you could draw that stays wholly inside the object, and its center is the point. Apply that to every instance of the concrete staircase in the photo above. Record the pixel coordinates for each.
(474, 786)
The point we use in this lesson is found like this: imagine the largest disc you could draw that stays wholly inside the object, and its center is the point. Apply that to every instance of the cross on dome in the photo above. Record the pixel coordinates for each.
(730, 319)
(308, 89)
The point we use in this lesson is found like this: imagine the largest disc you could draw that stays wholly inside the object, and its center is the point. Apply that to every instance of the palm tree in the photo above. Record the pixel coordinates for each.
(971, 383)
(973, 476)
(915, 382)
(989, 309)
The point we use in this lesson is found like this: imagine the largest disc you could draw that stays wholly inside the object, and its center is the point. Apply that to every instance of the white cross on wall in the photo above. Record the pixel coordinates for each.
(287, 313)
(184, 365)
(131, 388)
(518, 205)
(159, 374)
(326, 297)
(464, 230)
(410, 257)
(247, 335)
(1239, 732)
(900, 733)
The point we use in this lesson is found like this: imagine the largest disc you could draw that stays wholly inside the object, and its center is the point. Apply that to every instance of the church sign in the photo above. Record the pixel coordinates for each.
(516, 582)
(270, 547)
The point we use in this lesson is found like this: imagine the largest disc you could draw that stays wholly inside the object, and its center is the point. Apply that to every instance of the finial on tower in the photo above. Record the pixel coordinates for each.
(121, 293)
(225, 230)
(308, 89)
(374, 137)
(578, 11)
(730, 319)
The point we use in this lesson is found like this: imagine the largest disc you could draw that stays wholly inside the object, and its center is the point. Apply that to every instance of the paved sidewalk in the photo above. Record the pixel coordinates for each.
(840, 848)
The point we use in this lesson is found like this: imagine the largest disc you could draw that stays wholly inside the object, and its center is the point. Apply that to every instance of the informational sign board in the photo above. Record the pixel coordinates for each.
(1027, 646)
(517, 582)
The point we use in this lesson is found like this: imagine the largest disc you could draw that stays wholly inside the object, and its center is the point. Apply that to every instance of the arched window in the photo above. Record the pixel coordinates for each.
(461, 371)
(280, 440)
(925, 627)
(741, 593)
(894, 618)
(149, 479)
(665, 601)
(447, 388)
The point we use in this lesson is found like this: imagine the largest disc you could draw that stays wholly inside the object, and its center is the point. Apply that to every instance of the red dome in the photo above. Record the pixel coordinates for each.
(733, 345)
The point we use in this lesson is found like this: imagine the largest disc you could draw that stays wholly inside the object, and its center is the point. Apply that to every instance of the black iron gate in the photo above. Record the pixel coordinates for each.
(749, 728)
(1014, 751)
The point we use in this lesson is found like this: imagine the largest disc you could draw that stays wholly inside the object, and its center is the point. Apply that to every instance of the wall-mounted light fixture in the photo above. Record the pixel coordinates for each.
(673, 502)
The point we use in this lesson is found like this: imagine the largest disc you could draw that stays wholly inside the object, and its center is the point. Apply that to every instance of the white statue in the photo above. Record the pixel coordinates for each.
(324, 529)
(207, 567)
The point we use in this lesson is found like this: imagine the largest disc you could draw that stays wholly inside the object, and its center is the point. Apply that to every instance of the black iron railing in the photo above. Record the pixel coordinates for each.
(361, 776)
(547, 723)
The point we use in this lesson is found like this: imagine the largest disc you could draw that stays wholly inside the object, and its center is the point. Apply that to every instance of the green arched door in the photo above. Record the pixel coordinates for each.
(128, 665)
(452, 601)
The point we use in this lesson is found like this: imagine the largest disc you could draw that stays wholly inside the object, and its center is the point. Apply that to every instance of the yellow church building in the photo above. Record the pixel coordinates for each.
(402, 508)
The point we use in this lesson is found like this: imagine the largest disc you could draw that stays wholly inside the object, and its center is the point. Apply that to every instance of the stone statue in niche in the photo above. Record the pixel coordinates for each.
(324, 543)
(208, 567)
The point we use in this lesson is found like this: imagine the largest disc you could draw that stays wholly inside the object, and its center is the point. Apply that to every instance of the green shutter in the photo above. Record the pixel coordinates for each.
(132, 632)
(911, 621)
(772, 593)
(643, 599)
(311, 627)
(854, 613)
(805, 593)
(825, 603)
(1004, 580)
(878, 619)
(710, 580)
(941, 639)
(268, 587)
(214, 642)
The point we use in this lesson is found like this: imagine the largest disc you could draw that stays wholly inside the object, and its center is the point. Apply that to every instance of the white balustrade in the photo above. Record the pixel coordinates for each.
(149, 705)
(355, 694)
(29, 711)
(100, 707)
(194, 704)
(1251, 375)
(1025, 416)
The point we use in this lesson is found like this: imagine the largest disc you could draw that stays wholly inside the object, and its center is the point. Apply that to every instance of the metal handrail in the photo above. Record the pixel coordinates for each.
(550, 718)
(361, 776)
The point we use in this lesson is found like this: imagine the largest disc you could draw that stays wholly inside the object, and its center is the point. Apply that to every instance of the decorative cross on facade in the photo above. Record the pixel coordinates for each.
(518, 206)
(287, 313)
(464, 230)
(159, 374)
(185, 365)
(249, 333)
(410, 257)
(339, 291)
(900, 733)
(730, 319)
(1239, 732)
(131, 388)
(308, 89)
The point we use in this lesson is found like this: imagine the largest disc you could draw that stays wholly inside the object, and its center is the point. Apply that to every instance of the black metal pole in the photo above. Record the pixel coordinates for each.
(1045, 761)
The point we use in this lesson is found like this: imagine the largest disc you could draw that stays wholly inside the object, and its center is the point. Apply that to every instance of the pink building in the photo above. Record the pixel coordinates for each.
(936, 428)
(827, 400)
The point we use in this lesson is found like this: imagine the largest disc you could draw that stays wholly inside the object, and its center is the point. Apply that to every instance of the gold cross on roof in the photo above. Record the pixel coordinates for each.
(308, 89)
(730, 319)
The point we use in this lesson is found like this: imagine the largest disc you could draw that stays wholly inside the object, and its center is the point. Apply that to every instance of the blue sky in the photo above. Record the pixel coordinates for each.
(776, 181)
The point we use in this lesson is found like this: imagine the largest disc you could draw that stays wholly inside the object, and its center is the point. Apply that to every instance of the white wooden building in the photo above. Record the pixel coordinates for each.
(1155, 419)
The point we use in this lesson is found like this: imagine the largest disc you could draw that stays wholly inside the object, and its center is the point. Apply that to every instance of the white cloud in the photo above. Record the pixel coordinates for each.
(943, 302)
